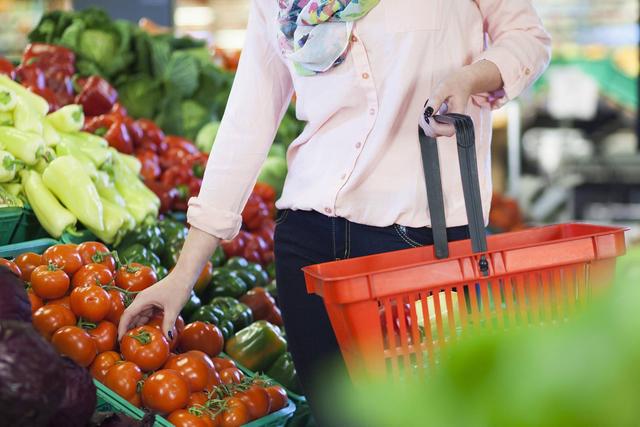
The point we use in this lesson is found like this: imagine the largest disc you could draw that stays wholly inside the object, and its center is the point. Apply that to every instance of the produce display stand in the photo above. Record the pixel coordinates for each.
(38, 246)
(9, 220)
(506, 281)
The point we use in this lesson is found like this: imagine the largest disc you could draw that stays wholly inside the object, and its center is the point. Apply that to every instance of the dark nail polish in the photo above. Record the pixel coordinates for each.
(425, 103)
(429, 111)
(170, 335)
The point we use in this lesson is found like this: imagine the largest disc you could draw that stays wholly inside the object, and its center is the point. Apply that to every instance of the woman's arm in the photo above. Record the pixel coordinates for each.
(261, 93)
(519, 52)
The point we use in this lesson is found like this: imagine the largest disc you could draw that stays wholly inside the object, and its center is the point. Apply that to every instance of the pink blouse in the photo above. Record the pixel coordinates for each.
(358, 157)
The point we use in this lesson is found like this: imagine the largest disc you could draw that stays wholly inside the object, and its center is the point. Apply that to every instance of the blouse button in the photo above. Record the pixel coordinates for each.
(344, 176)
(527, 71)
(354, 39)
(365, 76)
(327, 210)
(359, 144)
(372, 112)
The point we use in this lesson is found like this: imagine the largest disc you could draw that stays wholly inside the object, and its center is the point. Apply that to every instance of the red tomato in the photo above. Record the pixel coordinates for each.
(202, 336)
(27, 262)
(64, 256)
(257, 401)
(184, 418)
(205, 278)
(64, 301)
(105, 334)
(90, 302)
(50, 318)
(195, 367)
(49, 282)
(11, 266)
(92, 274)
(35, 300)
(117, 306)
(277, 397)
(165, 391)
(236, 413)
(75, 343)
(156, 322)
(135, 277)
(102, 363)
(198, 398)
(98, 253)
(221, 363)
(123, 378)
(231, 376)
(146, 347)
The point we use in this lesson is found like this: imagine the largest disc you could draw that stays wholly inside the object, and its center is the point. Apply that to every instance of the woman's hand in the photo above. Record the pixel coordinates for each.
(452, 94)
(168, 296)
(171, 294)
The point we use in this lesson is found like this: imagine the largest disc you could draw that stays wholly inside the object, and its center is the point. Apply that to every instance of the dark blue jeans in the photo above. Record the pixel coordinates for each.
(304, 238)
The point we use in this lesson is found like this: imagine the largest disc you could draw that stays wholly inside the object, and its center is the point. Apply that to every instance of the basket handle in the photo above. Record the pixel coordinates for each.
(465, 136)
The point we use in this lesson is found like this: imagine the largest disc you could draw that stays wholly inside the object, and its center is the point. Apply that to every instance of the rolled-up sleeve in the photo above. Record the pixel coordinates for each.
(260, 95)
(518, 45)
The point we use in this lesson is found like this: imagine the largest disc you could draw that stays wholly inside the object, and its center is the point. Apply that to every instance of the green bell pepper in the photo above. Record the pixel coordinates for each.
(284, 371)
(257, 347)
(192, 305)
(226, 284)
(262, 276)
(271, 270)
(218, 258)
(140, 254)
(272, 288)
(248, 277)
(238, 313)
(207, 313)
(161, 271)
(172, 230)
(226, 327)
(237, 263)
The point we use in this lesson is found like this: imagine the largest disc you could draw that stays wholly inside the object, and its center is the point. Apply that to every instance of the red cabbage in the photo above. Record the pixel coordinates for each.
(14, 302)
(79, 400)
(31, 377)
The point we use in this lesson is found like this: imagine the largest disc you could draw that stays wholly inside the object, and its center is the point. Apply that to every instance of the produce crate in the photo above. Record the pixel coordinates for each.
(9, 220)
(109, 401)
(38, 246)
(28, 228)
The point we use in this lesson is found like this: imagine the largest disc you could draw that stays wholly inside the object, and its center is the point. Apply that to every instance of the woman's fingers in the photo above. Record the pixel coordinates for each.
(137, 314)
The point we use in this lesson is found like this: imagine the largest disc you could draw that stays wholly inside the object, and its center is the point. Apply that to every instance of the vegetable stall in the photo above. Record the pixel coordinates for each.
(105, 133)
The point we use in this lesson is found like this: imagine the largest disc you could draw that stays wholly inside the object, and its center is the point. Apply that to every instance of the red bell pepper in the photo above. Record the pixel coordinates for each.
(174, 141)
(236, 246)
(266, 231)
(30, 75)
(255, 212)
(177, 175)
(265, 192)
(119, 109)
(174, 156)
(62, 86)
(152, 134)
(167, 194)
(262, 305)
(194, 186)
(6, 67)
(112, 128)
(150, 165)
(47, 94)
(97, 96)
(50, 57)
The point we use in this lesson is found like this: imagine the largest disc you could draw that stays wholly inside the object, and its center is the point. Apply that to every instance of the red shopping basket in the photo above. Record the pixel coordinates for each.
(393, 313)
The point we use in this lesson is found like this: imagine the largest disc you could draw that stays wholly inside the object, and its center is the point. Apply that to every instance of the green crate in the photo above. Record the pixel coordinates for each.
(28, 228)
(38, 246)
(9, 220)
(109, 401)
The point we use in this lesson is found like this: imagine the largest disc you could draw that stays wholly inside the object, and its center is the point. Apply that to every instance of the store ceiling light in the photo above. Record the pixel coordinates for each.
(194, 16)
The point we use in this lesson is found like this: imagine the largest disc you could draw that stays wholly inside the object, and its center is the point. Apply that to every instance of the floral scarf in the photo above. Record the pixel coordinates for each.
(315, 34)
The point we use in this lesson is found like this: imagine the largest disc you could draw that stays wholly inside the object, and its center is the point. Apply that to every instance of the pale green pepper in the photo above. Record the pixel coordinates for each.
(8, 166)
(53, 217)
(140, 201)
(131, 162)
(26, 119)
(91, 147)
(107, 189)
(35, 102)
(14, 188)
(66, 178)
(7, 100)
(26, 146)
(49, 134)
(6, 118)
(8, 200)
(69, 118)
(66, 148)
(115, 223)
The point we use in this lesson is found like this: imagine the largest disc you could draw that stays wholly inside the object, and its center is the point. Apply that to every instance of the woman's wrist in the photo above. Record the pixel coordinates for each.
(196, 251)
(482, 76)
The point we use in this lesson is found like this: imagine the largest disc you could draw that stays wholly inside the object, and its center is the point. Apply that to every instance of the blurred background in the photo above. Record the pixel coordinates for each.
(567, 150)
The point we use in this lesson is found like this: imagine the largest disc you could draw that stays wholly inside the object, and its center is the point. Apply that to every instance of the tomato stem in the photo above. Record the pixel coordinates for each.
(51, 266)
(143, 337)
(86, 325)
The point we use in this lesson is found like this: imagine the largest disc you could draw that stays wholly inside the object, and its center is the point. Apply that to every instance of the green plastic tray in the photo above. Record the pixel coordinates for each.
(38, 246)
(9, 220)
(28, 228)
(109, 401)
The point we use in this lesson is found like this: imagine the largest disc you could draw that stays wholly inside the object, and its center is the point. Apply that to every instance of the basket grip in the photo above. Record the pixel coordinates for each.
(465, 136)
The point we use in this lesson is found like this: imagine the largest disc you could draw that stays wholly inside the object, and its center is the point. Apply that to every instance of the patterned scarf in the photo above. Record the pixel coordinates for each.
(315, 34)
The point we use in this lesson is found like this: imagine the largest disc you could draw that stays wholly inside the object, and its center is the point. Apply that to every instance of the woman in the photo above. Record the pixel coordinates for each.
(361, 71)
